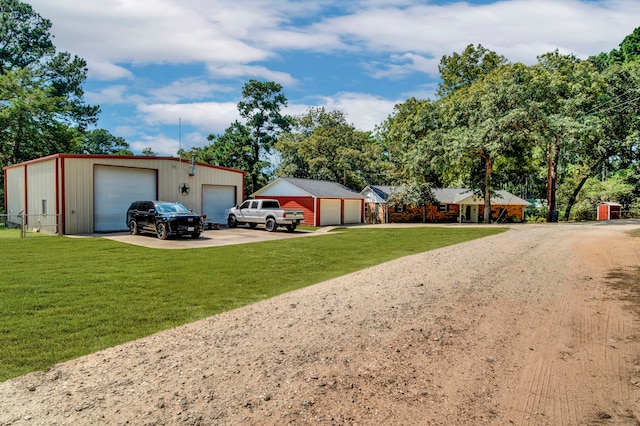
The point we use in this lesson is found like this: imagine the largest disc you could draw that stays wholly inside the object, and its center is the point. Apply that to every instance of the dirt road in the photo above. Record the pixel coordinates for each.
(526, 328)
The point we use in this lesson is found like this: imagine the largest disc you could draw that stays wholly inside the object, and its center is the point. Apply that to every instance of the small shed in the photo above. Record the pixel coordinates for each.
(323, 202)
(609, 211)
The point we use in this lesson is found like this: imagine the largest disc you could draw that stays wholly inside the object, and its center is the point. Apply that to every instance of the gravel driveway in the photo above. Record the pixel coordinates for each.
(520, 328)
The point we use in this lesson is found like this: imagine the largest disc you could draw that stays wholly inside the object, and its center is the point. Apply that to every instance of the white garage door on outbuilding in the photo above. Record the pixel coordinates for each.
(352, 211)
(330, 212)
(216, 199)
(115, 188)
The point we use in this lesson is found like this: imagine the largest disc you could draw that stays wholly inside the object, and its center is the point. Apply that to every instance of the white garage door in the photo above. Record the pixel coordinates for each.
(215, 200)
(329, 212)
(352, 211)
(115, 188)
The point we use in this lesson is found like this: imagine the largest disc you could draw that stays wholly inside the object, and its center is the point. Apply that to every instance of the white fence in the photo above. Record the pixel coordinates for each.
(31, 223)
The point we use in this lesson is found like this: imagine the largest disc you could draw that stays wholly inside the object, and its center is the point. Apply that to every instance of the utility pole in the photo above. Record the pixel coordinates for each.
(551, 180)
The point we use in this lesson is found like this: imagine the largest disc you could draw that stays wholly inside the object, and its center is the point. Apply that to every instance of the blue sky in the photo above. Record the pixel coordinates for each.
(156, 63)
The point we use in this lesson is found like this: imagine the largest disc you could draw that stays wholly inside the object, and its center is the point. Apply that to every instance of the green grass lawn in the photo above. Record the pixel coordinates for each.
(9, 232)
(61, 297)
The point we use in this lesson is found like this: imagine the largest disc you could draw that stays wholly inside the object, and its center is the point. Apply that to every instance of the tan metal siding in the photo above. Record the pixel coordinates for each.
(16, 188)
(79, 185)
(41, 184)
(172, 176)
(78, 195)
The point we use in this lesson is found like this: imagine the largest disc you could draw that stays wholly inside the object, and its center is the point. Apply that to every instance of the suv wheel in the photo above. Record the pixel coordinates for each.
(232, 221)
(162, 231)
(133, 227)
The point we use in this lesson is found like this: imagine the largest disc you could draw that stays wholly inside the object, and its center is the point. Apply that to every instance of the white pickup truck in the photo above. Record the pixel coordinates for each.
(264, 212)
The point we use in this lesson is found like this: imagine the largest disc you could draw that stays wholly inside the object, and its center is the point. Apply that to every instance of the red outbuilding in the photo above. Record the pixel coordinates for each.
(323, 202)
(609, 211)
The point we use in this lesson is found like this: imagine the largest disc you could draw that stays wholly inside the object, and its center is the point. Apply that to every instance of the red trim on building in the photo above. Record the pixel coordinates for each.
(26, 193)
(126, 157)
(59, 205)
(4, 172)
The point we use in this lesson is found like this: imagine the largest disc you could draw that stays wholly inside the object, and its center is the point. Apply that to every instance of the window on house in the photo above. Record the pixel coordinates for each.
(44, 207)
(400, 208)
(443, 208)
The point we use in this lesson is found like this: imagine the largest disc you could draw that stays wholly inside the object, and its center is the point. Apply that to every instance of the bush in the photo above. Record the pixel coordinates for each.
(583, 211)
(535, 214)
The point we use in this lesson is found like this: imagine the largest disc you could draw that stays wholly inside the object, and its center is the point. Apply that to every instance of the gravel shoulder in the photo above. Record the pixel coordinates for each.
(518, 328)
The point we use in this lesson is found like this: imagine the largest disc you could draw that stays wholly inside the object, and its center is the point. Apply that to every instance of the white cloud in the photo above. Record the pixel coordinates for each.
(110, 33)
(154, 31)
(114, 95)
(210, 117)
(159, 144)
(362, 110)
(399, 66)
(101, 70)
(187, 89)
(518, 29)
(235, 70)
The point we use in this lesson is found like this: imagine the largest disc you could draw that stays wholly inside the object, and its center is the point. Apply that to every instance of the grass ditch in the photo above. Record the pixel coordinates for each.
(61, 298)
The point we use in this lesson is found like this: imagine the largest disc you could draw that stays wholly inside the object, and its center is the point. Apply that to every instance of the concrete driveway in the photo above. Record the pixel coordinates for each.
(211, 237)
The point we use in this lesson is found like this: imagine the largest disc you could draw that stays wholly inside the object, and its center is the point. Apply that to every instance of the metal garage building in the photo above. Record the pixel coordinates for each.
(83, 194)
(323, 202)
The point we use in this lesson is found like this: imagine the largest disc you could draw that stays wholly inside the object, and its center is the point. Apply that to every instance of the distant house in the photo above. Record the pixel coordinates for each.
(454, 205)
(323, 202)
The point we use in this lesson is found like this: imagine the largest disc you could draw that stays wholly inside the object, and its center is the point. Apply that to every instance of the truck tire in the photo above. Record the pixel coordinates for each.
(271, 225)
(291, 227)
(232, 221)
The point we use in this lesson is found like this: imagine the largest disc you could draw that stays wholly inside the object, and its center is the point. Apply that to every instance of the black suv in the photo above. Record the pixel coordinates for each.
(163, 218)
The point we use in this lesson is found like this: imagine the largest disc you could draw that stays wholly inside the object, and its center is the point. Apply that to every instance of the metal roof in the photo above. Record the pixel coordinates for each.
(319, 188)
(383, 191)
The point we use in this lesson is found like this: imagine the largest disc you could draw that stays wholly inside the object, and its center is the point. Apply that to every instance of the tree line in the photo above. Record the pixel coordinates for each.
(564, 130)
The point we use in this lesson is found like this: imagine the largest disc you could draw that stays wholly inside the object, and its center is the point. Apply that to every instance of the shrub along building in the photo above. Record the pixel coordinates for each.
(454, 205)
(80, 194)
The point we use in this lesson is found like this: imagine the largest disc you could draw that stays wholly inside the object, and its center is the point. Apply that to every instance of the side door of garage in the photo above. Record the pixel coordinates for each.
(115, 188)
